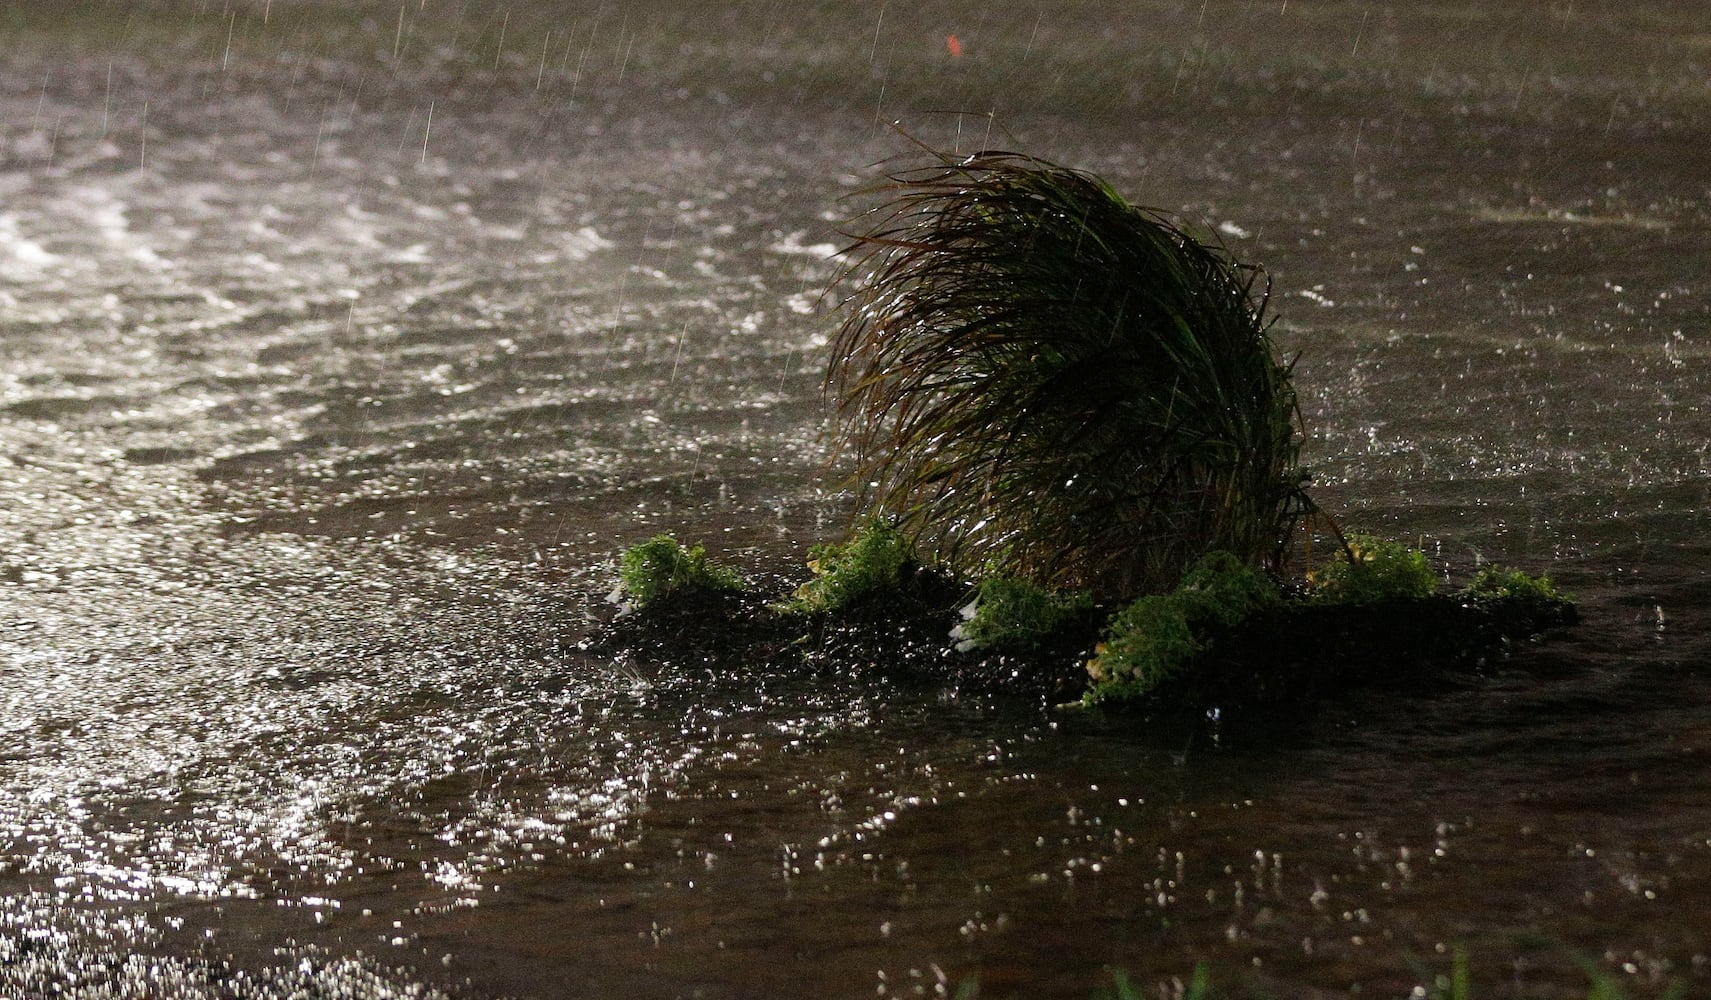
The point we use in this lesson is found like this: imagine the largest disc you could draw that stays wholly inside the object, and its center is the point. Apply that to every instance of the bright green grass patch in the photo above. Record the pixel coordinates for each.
(1494, 581)
(1373, 570)
(1145, 645)
(1159, 636)
(661, 566)
(871, 562)
(1008, 613)
(1224, 591)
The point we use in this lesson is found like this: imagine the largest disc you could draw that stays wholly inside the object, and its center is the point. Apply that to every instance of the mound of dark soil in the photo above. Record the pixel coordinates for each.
(1293, 655)
(1301, 653)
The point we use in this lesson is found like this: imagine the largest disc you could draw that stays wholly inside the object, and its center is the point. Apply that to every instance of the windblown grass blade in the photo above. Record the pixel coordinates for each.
(1044, 381)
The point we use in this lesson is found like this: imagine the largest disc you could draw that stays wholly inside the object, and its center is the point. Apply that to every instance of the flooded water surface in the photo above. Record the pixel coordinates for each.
(345, 345)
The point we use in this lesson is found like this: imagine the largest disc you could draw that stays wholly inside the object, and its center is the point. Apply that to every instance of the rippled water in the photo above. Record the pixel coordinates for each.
(343, 351)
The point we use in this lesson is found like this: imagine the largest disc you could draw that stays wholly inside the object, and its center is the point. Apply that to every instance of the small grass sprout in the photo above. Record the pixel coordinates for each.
(1015, 614)
(1373, 570)
(1042, 381)
(661, 566)
(870, 562)
(1494, 581)
(1457, 984)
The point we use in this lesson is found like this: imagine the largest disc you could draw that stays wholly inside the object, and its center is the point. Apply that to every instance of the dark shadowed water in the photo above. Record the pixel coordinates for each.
(344, 345)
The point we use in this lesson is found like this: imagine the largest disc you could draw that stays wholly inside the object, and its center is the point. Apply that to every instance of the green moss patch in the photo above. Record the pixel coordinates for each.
(1373, 570)
(1159, 636)
(1495, 582)
(1014, 614)
(1228, 636)
(872, 562)
(661, 566)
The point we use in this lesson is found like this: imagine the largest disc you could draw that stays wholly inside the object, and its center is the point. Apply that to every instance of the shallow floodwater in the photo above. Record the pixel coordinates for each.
(343, 351)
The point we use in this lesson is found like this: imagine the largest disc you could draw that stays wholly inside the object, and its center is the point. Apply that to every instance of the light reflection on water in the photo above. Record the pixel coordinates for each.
(320, 433)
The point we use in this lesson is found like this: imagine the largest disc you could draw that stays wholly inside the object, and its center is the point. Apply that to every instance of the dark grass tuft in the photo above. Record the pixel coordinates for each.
(1040, 380)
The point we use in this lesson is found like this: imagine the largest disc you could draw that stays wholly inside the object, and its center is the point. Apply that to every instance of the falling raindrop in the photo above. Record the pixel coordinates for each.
(427, 130)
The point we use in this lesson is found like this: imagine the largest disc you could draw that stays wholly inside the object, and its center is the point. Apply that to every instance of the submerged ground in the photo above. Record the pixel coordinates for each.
(345, 345)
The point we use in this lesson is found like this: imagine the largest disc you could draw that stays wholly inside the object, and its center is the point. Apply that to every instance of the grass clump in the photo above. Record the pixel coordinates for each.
(1222, 591)
(1146, 643)
(1161, 635)
(1042, 381)
(1374, 570)
(1494, 581)
(873, 561)
(1008, 613)
(661, 566)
